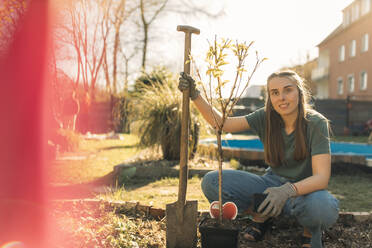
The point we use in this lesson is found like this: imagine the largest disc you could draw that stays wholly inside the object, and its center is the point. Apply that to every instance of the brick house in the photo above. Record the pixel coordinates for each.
(345, 56)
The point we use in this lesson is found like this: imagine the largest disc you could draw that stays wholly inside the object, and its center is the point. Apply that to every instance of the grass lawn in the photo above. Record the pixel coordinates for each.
(353, 191)
(159, 193)
(101, 156)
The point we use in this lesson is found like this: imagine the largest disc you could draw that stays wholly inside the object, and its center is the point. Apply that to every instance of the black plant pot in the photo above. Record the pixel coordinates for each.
(218, 236)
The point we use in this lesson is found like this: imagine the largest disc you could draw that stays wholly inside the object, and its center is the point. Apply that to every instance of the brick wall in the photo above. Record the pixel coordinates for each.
(351, 65)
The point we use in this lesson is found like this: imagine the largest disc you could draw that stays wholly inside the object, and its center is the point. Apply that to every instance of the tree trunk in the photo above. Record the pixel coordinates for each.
(145, 35)
(126, 77)
(114, 62)
(144, 49)
(220, 159)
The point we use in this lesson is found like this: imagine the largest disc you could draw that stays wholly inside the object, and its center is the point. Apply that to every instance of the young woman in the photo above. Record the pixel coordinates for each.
(297, 152)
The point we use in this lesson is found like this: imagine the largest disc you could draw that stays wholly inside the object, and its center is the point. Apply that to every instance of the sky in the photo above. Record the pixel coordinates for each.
(284, 31)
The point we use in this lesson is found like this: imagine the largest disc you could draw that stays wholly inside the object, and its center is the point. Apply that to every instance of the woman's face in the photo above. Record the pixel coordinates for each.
(284, 96)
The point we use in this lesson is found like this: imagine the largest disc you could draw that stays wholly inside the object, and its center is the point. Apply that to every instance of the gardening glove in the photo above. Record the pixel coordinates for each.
(276, 198)
(187, 81)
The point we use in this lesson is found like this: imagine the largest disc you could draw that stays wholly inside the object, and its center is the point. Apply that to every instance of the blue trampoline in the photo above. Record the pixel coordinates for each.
(337, 148)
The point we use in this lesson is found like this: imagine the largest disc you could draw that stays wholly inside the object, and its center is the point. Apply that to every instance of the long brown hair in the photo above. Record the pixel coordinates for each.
(273, 141)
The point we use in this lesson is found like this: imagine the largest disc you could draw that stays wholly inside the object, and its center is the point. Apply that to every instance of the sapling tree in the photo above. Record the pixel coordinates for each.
(225, 55)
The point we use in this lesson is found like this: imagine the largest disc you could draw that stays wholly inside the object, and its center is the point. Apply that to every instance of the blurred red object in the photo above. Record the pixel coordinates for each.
(22, 130)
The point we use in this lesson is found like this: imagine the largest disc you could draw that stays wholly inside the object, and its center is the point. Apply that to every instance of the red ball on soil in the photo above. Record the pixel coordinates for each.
(229, 210)
(214, 209)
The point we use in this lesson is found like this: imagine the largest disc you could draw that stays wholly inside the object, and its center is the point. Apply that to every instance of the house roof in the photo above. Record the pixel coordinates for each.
(348, 6)
(339, 29)
(253, 91)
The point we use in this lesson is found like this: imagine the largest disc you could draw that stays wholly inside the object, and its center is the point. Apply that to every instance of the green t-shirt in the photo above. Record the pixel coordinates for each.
(317, 140)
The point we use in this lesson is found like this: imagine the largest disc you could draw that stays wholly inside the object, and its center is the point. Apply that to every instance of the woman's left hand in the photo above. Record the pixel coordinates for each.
(276, 199)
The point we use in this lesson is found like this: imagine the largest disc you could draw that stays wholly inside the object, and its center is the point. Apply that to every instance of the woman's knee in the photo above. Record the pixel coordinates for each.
(209, 184)
(320, 209)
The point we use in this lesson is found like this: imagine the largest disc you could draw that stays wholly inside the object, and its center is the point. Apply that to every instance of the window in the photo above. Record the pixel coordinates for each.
(355, 12)
(363, 80)
(346, 17)
(341, 53)
(352, 48)
(364, 46)
(351, 83)
(366, 6)
(340, 86)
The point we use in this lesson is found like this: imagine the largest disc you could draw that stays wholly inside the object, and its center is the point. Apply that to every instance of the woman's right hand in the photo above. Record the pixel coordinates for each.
(186, 82)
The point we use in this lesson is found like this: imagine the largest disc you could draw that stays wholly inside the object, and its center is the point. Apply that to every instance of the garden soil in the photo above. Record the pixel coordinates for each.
(285, 233)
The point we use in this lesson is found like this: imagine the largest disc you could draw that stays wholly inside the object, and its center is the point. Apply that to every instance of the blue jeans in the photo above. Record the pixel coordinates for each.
(315, 211)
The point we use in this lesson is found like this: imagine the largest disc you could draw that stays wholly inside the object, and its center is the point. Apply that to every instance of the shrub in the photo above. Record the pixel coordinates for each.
(158, 76)
(67, 140)
(158, 111)
(121, 113)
